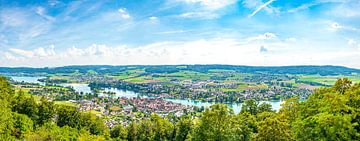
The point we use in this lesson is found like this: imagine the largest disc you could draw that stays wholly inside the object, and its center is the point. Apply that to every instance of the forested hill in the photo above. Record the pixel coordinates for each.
(321, 70)
(329, 114)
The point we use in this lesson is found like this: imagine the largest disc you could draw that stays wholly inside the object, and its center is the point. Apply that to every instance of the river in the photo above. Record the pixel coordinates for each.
(28, 79)
(130, 94)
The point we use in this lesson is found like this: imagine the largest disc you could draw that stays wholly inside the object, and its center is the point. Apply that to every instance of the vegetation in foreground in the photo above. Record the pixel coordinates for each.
(328, 114)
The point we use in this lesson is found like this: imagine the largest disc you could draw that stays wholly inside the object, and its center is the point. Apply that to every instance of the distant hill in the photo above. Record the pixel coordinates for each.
(102, 69)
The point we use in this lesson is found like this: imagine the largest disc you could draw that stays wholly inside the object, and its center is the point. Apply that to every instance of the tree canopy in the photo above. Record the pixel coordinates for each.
(328, 114)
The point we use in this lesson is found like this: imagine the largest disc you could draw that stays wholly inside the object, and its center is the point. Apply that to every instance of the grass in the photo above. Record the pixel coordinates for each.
(189, 75)
(133, 76)
(93, 112)
(66, 103)
(328, 80)
(141, 79)
(57, 87)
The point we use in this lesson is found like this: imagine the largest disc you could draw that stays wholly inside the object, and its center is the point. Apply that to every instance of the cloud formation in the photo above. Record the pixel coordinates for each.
(178, 31)
(261, 7)
(123, 13)
(211, 51)
(210, 4)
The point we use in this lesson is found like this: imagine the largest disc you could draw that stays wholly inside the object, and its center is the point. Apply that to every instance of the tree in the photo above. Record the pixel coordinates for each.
(27, 105)
(342, 85)
(164, 129)
(325, 126)
(270, 127)
(217, 124)
(264, 107)
(6, 121)
(86, 136)
(68, 116)
(250, 106)
(290, 109)
(132, 131)
(183, 128)
(50, 131)
(22, 124)
(119, 132)
(6, 92)
(46, 111)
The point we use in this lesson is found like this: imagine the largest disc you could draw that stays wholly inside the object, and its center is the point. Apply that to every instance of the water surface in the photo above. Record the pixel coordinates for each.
(28, 79)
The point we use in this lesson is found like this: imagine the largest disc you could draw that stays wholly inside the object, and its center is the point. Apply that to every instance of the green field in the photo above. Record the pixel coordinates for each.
(327, 80)
(66, 103)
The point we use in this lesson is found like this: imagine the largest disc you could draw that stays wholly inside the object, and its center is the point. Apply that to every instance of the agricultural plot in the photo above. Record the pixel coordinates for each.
(327, 80)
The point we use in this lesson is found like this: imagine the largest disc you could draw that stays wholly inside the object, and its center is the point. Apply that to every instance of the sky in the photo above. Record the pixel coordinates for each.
(50, 33)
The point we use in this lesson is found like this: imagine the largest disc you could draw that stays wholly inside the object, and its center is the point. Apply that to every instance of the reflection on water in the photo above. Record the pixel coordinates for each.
(28, 79)
(84, 88)
(119, 93)
(276, 105)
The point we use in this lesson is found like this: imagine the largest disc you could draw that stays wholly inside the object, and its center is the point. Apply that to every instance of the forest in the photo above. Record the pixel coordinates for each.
(328, 114)
(104, 69)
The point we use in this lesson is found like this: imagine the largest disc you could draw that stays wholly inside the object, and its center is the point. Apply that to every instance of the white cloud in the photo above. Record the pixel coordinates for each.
(303, 7)
(210, 4)
(258, 5)
(123, 13)
(335, 26)
(53, 2)
(173, 32)
(210, 51)
(306, 6)
(200, 14)
(22, 53)
(353, 43)
(41, 11)
(263, 49)
(22, 24)
(38, 52)
(154, 19)
(265, 36)
(261, 7)
(346, 8)
(292, 39)
(12, 17)
(203, 9)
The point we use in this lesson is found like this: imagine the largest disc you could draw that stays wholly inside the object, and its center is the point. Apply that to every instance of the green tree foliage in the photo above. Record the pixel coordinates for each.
(328, 114)
(342, 85)
(119, 133)
(46, 111)
(6, 120)
(26, 105)
(51, 132)
(22, 124)
(87, 136)
(6, 92)
(219, 123)
(183, 128)
(69, 116)
(163, 128)
(271, 127)
(253, 107)
(6, 115)
(132, 131)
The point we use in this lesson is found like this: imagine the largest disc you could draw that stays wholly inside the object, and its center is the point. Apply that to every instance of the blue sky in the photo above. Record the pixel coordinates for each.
(122, 32)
